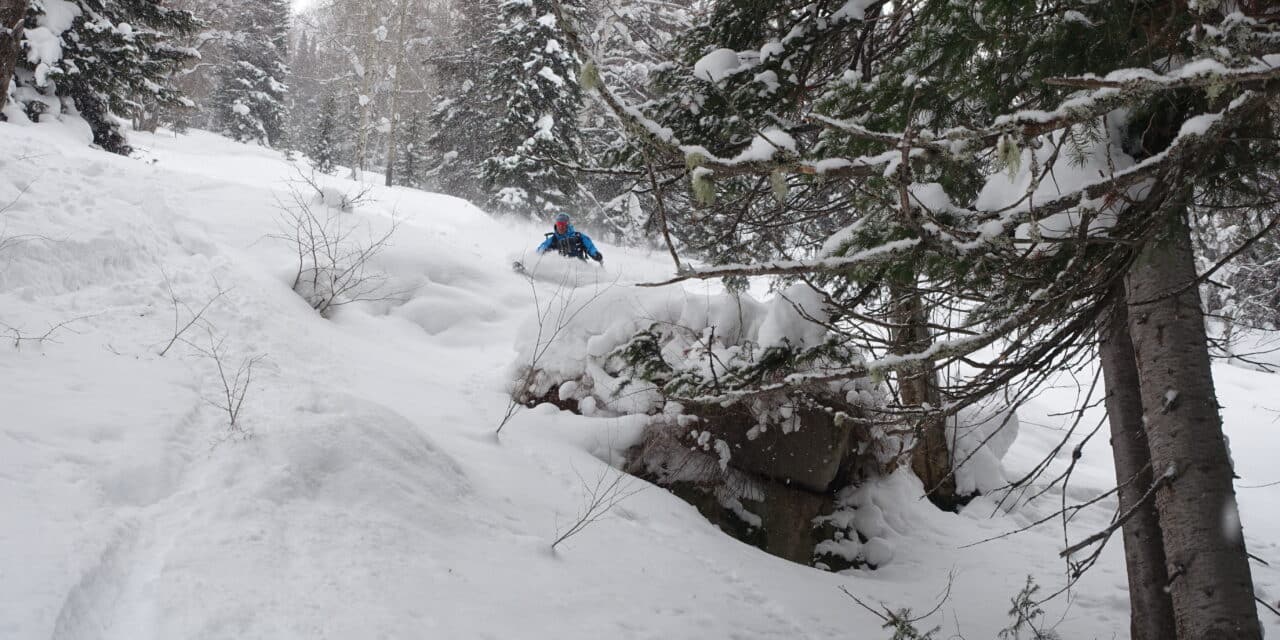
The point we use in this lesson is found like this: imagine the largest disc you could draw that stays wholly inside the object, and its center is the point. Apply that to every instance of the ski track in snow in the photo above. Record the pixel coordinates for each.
(373, 500)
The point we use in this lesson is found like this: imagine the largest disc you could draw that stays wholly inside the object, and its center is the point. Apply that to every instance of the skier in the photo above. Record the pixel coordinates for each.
(570, 242)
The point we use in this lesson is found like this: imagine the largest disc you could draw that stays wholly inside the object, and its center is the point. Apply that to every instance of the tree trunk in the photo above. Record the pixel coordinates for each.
(402, 43)
(1151, 610)
(390, 178)
(12, 13)
(1211, 586)
(366, 101)
(918, 387)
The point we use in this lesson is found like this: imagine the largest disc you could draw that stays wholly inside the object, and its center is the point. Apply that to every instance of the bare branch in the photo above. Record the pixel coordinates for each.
(194, 315)
(1119, 522)
(233, 384)
(548, 331)
(599, 498)
(21, 336)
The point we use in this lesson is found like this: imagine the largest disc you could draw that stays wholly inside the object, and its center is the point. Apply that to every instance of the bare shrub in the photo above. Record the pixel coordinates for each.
(194, 316)
(1028, 617)
(233, 383)
(552, 317)
(22, 336)
(8, 240)
(333, 252)
(341, 200)
(599, 497)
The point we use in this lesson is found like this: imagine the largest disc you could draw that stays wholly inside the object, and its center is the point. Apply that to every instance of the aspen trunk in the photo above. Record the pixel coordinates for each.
(402, 43)
(366, 100)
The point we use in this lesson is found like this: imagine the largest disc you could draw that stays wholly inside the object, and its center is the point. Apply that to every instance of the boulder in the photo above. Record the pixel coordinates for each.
(783, 519)
(809, 450)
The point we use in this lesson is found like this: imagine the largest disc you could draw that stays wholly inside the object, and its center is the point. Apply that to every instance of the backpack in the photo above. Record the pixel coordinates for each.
(569, 245)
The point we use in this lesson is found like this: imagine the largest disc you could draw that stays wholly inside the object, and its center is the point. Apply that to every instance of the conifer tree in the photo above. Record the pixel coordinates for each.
(1251, 298)
(460, 123)
(110, 59)
(199, 77)
(411, 160)
(306, 97)
(536, 129)
(986, 164)
(250, 99)
(633, 40)
(322, 140)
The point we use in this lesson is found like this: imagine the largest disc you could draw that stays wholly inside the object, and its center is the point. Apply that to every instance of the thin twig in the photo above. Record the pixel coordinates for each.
(195, 315)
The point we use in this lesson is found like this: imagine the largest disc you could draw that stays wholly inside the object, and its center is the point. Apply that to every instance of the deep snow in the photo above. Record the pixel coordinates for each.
(373, 499)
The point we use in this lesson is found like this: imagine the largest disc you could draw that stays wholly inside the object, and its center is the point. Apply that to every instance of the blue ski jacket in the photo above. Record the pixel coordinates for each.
(572, 244)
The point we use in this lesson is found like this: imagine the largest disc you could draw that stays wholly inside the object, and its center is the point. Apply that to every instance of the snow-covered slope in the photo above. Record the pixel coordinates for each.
(372, 499)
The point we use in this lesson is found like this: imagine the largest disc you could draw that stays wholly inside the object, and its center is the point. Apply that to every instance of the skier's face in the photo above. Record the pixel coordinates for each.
(562, 226)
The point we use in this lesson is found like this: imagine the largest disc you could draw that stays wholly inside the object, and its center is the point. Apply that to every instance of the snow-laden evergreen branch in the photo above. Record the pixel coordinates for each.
(1117, 89)
(793, 267)
(1197, 73)
(1195, 135)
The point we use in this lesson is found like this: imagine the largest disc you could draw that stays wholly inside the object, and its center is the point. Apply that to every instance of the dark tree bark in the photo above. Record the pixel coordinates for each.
(1151, 609)
(12, 13)
(1210, 582)
(918, 387)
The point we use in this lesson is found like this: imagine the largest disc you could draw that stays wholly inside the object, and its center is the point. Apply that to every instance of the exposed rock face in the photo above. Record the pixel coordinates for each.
(781, 522)
(808, 451)
(813, 448)
(770, 487)
(552, 396)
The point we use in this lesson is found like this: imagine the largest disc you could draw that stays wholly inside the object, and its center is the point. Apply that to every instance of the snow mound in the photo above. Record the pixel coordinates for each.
(795, 317)
(339, 487)
(871, 519)
(576, 333)
(339, 449)
(979, 439)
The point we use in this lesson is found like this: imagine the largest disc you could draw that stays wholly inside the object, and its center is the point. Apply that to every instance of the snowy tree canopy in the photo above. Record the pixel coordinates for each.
(101, 59)
(250, 97)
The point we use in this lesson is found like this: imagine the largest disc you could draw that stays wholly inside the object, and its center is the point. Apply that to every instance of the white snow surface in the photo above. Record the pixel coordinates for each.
(58, 15)
(979, 437)
(373, 499)
(1073, 169)
(717, 65)
(765, 145)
